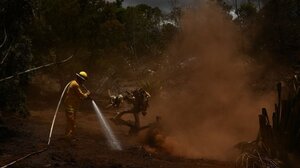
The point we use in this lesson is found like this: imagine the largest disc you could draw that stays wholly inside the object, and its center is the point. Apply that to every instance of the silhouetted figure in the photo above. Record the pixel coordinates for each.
(139, 98)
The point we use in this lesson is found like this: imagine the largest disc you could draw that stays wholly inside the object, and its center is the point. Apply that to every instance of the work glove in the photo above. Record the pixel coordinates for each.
(89, 97)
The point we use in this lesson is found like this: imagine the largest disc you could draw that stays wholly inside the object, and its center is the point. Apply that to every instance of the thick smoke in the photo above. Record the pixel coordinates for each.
(213, 107)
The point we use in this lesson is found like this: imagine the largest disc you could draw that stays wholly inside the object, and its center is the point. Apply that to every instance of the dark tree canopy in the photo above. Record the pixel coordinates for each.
(38, 32)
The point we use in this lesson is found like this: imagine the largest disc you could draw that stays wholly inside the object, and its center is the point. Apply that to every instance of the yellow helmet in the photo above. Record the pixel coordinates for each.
(83, 75)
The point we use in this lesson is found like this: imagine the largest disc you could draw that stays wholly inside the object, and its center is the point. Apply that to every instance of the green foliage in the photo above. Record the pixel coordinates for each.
(246, 14)
(15, 90)
(143, 29)
(175, 15)
(273, 32)
(42, 31)
(16, 54)
(247, 10)
(279, 34)
(100, 27)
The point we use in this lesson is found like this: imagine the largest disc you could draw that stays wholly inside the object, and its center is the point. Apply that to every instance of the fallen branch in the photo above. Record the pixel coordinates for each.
(34, 69)
(4, 58)
(5, 38)
(24, 157)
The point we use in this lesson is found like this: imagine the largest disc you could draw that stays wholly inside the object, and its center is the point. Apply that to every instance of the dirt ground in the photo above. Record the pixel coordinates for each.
(91, 149)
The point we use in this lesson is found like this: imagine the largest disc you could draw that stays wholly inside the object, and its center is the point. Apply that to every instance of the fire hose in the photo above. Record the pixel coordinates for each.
(50, 134)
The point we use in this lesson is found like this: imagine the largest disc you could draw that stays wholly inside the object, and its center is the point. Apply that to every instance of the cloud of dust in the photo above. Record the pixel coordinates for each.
(215, 107)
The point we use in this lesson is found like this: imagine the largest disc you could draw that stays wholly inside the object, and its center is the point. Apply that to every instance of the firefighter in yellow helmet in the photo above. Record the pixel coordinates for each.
(73, 98)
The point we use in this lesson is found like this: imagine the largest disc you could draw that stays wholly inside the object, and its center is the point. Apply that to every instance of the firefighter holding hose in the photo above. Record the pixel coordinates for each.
(73, 98)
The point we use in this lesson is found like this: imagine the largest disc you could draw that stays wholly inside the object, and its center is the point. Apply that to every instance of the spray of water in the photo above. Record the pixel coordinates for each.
(54, 118)
(111, 138)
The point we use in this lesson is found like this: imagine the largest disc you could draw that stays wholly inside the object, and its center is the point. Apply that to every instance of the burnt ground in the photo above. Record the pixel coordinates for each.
(91, 149)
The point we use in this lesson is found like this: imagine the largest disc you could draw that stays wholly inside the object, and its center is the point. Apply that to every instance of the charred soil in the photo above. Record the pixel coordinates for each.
(89, 150)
